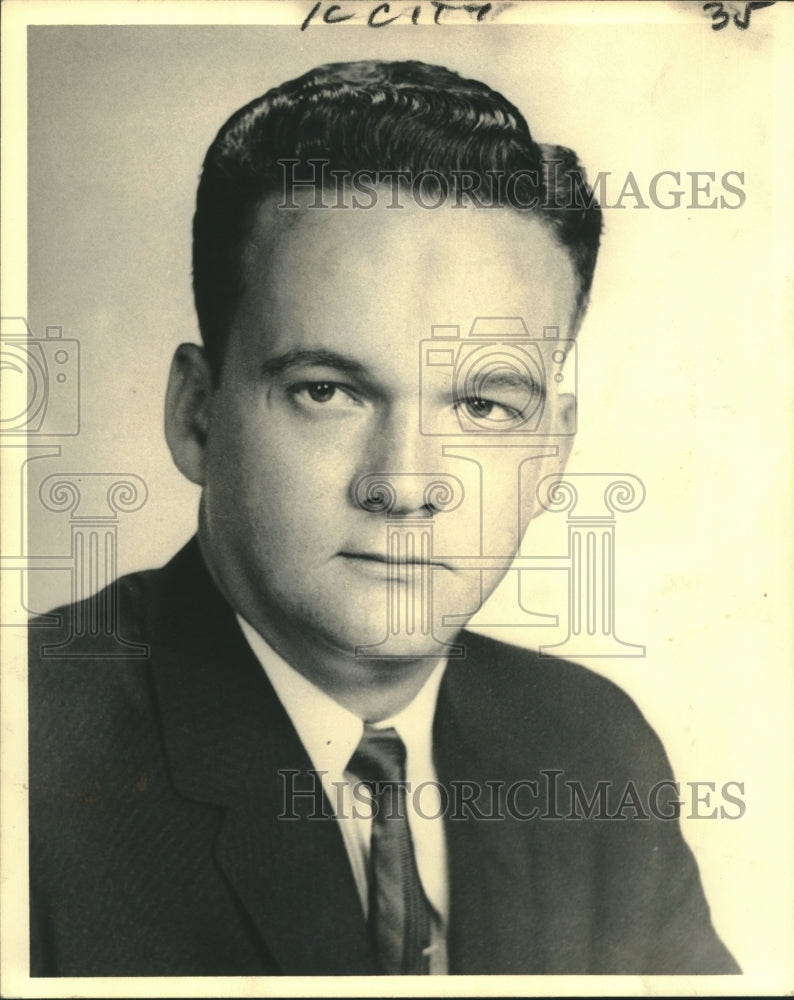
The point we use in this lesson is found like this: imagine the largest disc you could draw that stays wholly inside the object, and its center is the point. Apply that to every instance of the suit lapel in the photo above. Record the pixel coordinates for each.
(496, 926)
(230, 743)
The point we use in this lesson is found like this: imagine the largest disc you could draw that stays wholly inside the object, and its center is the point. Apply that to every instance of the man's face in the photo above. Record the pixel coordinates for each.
(325, 382)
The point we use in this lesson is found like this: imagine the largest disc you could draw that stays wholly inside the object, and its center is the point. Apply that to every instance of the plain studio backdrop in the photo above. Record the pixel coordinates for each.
(683, 367)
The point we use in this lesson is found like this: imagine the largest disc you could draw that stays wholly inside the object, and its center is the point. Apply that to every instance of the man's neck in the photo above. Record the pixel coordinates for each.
(369, 687)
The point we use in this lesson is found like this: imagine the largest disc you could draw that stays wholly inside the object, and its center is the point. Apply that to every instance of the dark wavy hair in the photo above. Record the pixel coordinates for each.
(376, 116)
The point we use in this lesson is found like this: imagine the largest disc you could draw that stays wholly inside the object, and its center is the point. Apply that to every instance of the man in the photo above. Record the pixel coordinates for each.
(248, 798)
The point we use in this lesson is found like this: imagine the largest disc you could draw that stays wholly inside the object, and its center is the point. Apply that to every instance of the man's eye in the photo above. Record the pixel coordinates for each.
(477, 408)
(328, 395)
(320, 392)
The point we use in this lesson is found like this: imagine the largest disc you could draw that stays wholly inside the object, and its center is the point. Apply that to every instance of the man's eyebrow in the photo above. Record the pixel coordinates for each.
(505, 379)
(322, 358)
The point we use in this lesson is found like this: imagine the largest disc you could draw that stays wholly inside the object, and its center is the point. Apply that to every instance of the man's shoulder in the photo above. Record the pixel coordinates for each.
(114, 622)
(515, 677)
(536, 703)
(124, 599)
(89, 667)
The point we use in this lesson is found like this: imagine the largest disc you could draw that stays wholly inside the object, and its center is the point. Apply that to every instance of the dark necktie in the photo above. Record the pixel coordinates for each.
(399, 914)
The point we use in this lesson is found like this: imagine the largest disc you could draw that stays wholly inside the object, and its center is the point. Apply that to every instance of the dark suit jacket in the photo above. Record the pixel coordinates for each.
(155, 794)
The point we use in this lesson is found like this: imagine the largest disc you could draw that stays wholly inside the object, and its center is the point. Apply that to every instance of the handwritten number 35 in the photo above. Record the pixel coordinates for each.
(721, 17)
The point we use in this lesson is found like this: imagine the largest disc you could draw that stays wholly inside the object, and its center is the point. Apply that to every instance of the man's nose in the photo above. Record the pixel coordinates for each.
(403, 474)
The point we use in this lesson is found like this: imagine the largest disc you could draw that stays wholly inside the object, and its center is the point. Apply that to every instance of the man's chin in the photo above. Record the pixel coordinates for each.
(406, 648)
(375, 640)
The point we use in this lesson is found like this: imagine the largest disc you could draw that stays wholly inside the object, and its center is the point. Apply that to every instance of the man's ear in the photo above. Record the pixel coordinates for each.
(188, 403)
(565, 420)
(566, 414)
(564, 430)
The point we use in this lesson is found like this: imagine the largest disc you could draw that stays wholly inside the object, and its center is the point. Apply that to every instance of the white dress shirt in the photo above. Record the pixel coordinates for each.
(330, 734)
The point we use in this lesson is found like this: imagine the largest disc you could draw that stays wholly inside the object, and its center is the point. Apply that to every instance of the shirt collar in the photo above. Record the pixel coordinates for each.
(329, 732)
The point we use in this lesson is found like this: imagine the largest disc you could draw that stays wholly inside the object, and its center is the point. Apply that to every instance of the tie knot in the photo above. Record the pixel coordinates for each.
(379, 756)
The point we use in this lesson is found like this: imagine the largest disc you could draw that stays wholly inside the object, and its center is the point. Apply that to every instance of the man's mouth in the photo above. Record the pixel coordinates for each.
(377, 559)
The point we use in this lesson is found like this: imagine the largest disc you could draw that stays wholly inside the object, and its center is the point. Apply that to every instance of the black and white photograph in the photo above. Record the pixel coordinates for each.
(396, 438)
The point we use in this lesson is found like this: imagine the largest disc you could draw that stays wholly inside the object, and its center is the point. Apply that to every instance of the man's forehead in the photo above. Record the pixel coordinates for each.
(482, 232)
(427, 266)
